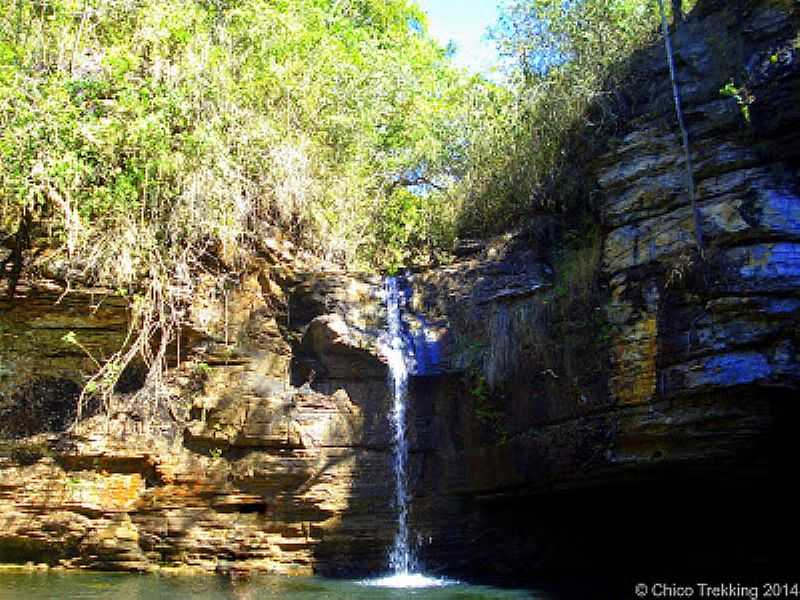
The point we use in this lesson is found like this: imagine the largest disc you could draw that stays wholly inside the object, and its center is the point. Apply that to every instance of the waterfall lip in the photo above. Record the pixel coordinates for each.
(415, 340)
(408, 581)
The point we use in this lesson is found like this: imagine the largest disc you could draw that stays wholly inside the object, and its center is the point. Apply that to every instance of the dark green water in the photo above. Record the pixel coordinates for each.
(94, 586)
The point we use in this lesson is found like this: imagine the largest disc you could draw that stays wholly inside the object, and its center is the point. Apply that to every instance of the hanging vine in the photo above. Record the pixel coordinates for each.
(687, 151)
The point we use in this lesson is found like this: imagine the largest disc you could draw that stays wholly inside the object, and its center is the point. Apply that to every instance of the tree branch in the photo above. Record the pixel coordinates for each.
(409, 182)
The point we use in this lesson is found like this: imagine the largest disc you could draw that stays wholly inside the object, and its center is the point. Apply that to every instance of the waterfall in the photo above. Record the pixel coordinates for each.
(401, 558)
(398, 348)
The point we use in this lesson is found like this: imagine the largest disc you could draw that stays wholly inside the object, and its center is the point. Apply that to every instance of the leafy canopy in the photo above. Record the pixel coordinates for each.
(135, 128)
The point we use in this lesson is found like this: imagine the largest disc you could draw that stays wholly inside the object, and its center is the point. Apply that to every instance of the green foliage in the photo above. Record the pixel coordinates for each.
(202, 369)
(487, 412)
(151, 140)
(486, 403)
(469, 352)
(215, 453)
(480, 389)
(529, 152)
(742, 96)
(578, 260)
(134, 128)
(410, 225)
(70, 338)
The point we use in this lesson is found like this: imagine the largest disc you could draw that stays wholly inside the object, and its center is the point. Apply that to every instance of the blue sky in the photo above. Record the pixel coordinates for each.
(465, 22)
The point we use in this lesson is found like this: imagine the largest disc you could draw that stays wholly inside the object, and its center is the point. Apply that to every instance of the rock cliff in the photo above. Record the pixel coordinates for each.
(222, 464)
(620, 402)
(642, 397)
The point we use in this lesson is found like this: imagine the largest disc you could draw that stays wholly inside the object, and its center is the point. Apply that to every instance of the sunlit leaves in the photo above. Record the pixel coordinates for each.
(173, 124)
(564, 59)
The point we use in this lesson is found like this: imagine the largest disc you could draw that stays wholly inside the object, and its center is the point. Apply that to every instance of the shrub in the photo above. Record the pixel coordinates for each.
(530, 154)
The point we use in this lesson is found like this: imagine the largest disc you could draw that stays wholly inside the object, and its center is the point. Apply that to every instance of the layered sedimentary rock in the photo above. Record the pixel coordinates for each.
(41, 374)
(254, 487)
(625, 402)
(675, 338)
(668, 396)
(222, 464)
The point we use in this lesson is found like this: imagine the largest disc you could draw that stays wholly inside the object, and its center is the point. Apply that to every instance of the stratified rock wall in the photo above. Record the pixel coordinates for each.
(622, 402)
(677, 389)
(222, 464)
(41, 375)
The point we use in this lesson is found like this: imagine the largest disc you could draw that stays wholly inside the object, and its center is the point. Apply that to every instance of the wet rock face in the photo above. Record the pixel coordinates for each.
(46, 405)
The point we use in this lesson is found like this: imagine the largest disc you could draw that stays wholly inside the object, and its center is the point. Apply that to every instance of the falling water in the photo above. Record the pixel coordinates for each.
(401, 558)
